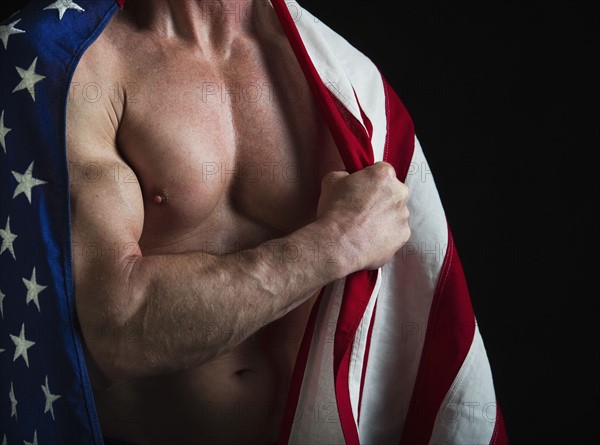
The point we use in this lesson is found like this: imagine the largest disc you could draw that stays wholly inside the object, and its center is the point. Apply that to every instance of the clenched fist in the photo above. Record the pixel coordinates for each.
(370, 210)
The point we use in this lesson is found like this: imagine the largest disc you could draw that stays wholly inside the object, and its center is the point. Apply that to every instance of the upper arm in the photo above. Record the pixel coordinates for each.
(107, 211)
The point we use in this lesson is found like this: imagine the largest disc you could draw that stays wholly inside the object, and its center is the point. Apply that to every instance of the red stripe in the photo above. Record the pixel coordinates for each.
(449, 336)
(298, 374)
(121, 3)
(355, 149)
(359, 286)
(357, 294)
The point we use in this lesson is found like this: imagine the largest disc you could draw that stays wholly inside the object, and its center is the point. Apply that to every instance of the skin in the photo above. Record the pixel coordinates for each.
(205, 223)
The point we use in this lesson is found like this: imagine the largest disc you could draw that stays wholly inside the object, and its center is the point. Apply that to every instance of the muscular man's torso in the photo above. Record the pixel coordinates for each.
(229, 149)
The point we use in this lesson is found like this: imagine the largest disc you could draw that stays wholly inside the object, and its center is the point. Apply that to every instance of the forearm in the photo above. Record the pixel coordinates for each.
(161, 314)
(192, 307)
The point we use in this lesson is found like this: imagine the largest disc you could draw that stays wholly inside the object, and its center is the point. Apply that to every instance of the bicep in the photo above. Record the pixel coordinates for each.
(107, 213)
(106, 224)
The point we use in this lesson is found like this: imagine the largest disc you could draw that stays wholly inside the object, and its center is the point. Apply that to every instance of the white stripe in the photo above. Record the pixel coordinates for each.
(317, 42)
(317, 419)
(468, 412)
(359, 347)
(404, 301)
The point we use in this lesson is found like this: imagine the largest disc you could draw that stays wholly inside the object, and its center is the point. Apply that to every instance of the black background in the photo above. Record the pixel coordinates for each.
(504, 100)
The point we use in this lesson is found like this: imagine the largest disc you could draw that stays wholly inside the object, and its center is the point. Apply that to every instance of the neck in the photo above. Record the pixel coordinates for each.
(212, 23)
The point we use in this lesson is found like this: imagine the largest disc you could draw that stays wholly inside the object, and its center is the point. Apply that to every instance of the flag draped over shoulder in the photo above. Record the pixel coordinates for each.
(406, 362)
(389, 356)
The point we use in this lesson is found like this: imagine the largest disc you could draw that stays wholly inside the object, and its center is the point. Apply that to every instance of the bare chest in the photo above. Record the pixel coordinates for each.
(229, 155)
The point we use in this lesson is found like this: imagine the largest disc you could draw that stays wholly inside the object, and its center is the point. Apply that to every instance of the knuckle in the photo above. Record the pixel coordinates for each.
(384, 170)
(403, 192)
(405, 213)
(389, 170)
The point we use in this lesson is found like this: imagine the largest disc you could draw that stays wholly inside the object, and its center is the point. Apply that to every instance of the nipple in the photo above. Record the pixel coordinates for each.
(160, 197)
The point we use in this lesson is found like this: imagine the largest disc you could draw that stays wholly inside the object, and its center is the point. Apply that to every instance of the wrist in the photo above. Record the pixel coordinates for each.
(337, 255)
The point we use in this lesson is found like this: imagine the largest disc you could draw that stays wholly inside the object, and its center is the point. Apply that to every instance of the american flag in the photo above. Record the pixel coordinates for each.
(45, 395)
(405, 362)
